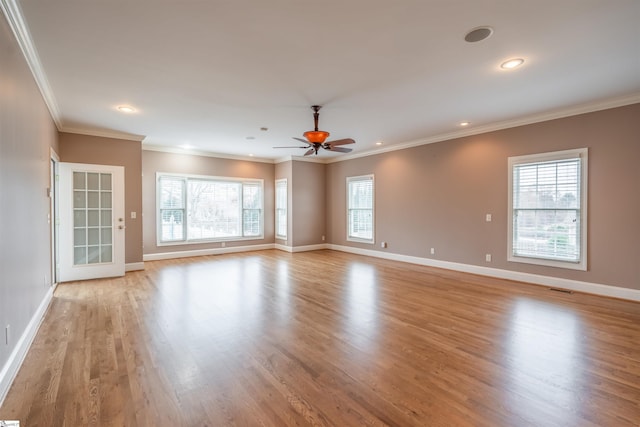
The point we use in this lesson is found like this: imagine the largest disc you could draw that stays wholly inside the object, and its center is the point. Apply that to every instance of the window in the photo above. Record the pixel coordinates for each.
(547, 209)
(281, 209)
(360, 209)
(197, 208)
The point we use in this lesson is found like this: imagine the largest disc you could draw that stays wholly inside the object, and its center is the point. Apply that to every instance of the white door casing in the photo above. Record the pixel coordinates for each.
(92, 226)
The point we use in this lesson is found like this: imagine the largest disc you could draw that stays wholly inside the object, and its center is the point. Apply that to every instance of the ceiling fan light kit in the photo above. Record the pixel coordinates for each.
(315, 139)
(316, 136)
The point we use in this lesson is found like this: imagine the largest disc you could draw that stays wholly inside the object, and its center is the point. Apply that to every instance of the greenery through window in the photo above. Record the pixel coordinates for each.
(196, 208)
(547, 215)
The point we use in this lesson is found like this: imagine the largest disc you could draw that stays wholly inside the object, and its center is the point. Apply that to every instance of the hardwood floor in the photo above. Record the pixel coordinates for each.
(326, 339)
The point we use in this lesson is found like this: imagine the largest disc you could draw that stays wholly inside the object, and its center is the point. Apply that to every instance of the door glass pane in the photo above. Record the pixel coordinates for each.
(106, 253)
(93, 217)
(93, 200)
(93, 256)
(106, 236)
(79, 199)
(105, 199)
(92, 222)
(78, 180)
(79, 237)
(80, 255)
(93, 236)
(106, 217)
(105, 181)
(93, 181)
(79, 218)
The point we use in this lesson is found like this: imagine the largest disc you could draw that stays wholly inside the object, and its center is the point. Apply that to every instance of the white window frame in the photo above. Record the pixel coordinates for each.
(351, 179)
(280, 183)
(582, 154)
(186, 178)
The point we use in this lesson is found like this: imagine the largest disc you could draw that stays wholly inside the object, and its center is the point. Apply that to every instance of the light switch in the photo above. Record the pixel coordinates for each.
(133, 215)
(488, 218)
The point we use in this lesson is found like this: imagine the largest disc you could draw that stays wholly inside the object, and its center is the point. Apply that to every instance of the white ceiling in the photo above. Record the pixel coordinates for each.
(212, 73)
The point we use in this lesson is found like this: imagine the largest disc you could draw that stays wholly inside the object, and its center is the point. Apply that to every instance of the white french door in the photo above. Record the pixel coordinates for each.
(92, 227)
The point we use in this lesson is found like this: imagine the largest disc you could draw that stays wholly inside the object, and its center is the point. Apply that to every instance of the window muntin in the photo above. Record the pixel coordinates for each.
(360, 195)
(281, 209)
(199, 208)
(547, 200)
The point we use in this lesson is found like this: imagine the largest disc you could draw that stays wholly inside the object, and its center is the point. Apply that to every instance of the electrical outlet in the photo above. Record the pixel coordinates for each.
(433, 251)
(323, 238)
(487, 257)
(383, 244)
(488, 217)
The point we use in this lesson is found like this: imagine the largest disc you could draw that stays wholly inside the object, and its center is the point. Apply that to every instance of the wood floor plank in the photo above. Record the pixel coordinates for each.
(326, 338)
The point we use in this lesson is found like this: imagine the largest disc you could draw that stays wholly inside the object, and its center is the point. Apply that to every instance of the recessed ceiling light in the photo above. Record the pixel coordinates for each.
(250, 137)
(512, 63)
(379, 143)
(264, 129)
(478, 34)
(126, 109)
(250, 154)
(465, 123)
(186, 146)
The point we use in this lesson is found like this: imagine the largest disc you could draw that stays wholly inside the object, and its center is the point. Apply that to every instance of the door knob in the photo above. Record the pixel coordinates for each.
(122, 227)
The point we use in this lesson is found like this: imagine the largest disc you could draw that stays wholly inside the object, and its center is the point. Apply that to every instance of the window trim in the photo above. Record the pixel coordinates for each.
(373, 209)
(286, 210)
(582, 154)
(186, 240)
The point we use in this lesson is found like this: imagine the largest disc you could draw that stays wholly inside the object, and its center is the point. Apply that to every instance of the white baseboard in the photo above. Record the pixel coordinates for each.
(11, 368)
(306, 248)
(210, 251)
(134, 266)
(536, 279)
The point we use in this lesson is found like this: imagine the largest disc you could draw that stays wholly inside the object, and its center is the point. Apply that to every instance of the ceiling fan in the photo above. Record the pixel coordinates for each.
(315, 139)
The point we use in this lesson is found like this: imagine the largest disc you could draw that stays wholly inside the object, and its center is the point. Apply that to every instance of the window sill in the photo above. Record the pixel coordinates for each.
(208, 241)
(582, 265)
(356, 240)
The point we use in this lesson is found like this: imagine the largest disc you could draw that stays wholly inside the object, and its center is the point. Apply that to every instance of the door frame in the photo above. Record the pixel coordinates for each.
(54, 216)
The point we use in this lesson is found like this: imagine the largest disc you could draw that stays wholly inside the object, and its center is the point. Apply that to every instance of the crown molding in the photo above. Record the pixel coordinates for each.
(592, 107)
(283, 159)
(174, 150)
(13, 13)
(104, 134)
(309, 159)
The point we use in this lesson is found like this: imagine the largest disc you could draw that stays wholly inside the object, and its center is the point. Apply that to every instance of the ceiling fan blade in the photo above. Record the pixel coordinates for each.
(341, 142)
(340, 149)
(292, 146)
(302, 140)
(309, 151)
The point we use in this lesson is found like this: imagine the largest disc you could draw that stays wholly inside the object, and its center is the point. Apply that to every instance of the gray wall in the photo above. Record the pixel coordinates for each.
(307, 188)
(154, 161)
(26, 135)
(437, 195)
